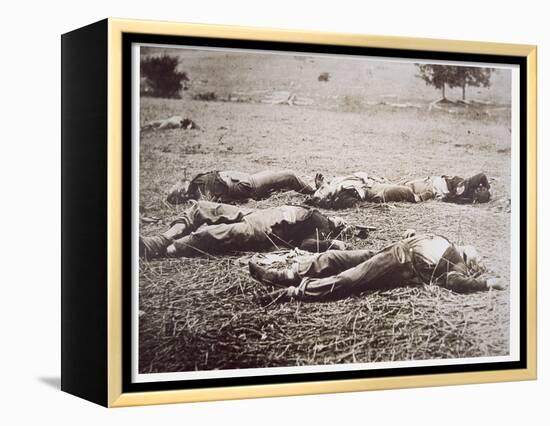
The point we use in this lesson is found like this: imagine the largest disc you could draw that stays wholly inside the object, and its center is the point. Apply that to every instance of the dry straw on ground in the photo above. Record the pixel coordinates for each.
(211, 319)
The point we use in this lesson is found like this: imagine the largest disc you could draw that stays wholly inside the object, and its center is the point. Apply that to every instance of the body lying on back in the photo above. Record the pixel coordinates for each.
(342, 192)
(418, 259)
(215, 228)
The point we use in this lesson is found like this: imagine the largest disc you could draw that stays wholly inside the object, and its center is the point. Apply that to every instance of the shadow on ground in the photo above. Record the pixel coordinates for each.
(53, 382)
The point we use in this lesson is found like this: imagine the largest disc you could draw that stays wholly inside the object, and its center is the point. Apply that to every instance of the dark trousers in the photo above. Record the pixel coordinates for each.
(262, 184)
(338, 274)
(225, 230)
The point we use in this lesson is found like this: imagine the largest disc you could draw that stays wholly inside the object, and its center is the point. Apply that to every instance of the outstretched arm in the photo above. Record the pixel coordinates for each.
(460, 283)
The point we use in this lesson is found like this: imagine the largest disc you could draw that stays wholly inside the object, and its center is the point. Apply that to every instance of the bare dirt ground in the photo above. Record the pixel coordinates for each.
(203, 313)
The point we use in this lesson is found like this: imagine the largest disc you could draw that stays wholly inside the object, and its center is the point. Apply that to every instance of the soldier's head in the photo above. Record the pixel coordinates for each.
(481, 195)
(322, 191)
(178, 193)
(471, 258)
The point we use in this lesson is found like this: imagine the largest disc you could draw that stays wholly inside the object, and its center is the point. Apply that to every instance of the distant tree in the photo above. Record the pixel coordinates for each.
(160, 76)
(471, 76)
(441, 76)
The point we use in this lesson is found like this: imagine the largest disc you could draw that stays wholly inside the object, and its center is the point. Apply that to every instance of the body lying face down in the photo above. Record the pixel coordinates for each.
(346, 191)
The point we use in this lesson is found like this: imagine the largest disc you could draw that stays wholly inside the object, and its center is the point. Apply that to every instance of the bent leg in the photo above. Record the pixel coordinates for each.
(332, 262)
(200, 213)
(267, 182)
(210, 213)
(380, 271)
(215, 239)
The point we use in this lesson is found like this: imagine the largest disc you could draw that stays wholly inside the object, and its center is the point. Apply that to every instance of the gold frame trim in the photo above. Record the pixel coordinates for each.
(116, 27)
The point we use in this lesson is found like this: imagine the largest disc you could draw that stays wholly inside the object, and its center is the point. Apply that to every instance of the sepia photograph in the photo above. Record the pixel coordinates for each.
(302, 212)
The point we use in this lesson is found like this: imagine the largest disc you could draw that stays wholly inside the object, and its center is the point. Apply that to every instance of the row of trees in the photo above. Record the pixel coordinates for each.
(441, 76)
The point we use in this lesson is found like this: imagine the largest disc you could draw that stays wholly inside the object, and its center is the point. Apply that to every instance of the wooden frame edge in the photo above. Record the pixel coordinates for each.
(317, 37)
(116, 27)
(532, 210)
(312, 388)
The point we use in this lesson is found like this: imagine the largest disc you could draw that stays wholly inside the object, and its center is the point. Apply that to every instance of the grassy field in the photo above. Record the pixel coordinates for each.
(203, 313)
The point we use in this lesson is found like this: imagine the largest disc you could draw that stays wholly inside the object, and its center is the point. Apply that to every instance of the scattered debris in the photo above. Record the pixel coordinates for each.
(400, 105)
(324, 76)
(193, 149)
(363, 231)
(288, 98)
(205, 96)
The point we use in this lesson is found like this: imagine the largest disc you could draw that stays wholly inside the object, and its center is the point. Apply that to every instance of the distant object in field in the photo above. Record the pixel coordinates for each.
(324, 76)
(175, 122)
(441, 76)
(288, 98)
(205, 96)
(160, 77)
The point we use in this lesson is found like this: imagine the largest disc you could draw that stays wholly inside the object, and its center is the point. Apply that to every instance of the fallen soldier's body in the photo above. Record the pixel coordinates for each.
(175, 122)
(212, 228)
(335, 274)
(228, 186)
(342, 192)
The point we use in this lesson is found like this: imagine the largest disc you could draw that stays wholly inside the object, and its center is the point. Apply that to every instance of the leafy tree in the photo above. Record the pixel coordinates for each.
(160, 77)
(441, 76)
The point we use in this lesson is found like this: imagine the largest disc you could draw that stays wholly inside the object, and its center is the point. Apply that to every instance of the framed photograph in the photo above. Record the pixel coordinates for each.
(254, 212)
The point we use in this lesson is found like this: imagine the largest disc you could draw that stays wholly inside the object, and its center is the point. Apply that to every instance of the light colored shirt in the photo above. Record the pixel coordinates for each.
(430, 247)
(435, 184)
